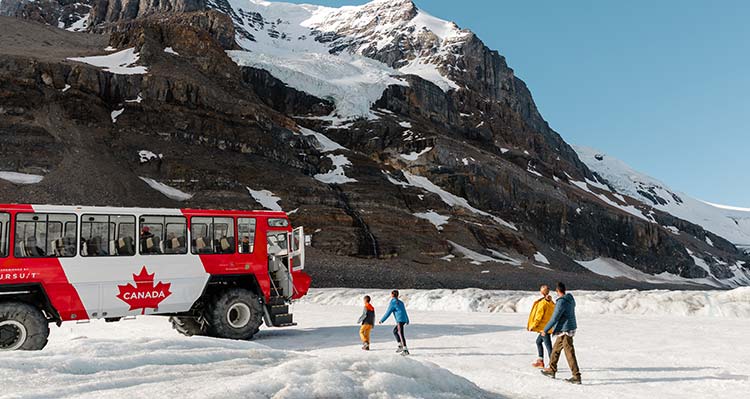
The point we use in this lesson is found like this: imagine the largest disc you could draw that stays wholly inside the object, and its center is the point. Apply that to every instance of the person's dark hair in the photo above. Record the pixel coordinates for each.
(367, 298)
(394, 293)
(561, 287)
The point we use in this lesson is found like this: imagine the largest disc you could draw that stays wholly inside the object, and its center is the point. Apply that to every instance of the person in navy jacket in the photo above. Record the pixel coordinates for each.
(563, 325)
(397, 308)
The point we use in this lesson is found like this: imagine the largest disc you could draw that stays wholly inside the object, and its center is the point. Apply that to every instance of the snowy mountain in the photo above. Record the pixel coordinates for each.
(731, 223)
(350, 55)
(399, 140)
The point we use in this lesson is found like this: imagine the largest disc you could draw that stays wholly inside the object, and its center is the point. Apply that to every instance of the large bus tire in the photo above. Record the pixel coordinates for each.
(188, 326)
(22, 327)
(236, 313)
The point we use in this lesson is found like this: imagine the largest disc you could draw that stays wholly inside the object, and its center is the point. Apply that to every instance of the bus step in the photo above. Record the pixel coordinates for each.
(281, 320)
(276, 300)
(278, 309)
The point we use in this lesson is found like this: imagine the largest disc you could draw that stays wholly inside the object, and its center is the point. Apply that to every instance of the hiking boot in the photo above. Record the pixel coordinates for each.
(400, 349)
(365, 346)
(548, 373)
(539, 364)
(574, 381)
(405, 352)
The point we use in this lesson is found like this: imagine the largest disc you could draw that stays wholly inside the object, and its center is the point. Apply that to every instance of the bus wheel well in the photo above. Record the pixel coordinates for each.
(217, 284)
(32, 294)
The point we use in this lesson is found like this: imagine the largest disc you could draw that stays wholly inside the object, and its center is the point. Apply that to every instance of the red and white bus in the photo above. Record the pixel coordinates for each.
(215, 273)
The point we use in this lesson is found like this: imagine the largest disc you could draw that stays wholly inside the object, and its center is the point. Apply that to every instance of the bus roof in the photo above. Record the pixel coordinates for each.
(136, 210)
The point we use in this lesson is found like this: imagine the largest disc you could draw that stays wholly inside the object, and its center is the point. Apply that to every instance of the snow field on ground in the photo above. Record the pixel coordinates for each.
(145, 357)
(731, 304)
(455, 354)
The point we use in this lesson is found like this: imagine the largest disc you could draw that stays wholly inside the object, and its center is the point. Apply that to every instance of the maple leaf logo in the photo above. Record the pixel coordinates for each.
(144, 294)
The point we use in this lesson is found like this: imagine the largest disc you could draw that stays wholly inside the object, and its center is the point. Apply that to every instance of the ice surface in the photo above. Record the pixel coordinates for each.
(284, 44)
(353, 82)
(136, 367)
(266, 199)
(464, 344)
(732, 304)
(20, 178)
(168, 191)
(121, 62)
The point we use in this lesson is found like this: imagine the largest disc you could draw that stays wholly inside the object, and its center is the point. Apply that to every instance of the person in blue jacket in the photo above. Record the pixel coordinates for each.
(397, 308)
(563, 326)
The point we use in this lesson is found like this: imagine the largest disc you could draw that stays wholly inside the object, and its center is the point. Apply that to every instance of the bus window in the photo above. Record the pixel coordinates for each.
(4, 234)
(246, 227)
(42, 235)
(107, 235)
(277, 242)
(212, 235)
(163, 235)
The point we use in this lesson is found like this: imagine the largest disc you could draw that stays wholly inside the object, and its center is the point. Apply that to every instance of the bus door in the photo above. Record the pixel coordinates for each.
(297, 249)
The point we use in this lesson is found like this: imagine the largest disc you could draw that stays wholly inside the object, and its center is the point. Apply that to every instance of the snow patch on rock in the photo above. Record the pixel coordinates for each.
(337, 175)
(169, 192)
(121, 62)
(539, 257)
(413, 156)
(324, 143)
(433, 217)
(146, 156)
(451, 199)
(266, 199)
(116, 114)
(20, 178)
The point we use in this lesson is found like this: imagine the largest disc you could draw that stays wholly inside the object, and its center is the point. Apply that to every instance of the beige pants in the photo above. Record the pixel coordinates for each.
(564, 342)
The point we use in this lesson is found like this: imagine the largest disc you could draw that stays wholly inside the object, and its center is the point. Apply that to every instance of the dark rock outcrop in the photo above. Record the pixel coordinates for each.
(109, 11)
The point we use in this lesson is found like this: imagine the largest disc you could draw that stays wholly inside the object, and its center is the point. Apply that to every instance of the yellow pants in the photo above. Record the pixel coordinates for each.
(364, 332)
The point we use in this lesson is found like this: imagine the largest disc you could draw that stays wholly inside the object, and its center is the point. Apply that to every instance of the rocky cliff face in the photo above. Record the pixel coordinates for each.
(109, 11)
(65, 14)
(450, 167)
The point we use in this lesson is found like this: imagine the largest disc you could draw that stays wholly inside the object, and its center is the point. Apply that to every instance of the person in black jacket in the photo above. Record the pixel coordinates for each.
(367, 320)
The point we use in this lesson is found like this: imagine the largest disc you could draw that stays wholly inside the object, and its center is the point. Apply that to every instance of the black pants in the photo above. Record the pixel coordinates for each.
(398, 332)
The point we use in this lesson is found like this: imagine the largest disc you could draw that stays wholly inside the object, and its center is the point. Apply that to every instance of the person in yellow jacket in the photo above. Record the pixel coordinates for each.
(540, 314)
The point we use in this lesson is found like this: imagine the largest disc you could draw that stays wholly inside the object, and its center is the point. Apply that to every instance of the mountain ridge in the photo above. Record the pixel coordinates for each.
(428, 178)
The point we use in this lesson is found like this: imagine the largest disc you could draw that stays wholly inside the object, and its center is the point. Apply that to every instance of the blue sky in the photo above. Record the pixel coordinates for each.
(663, 85)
